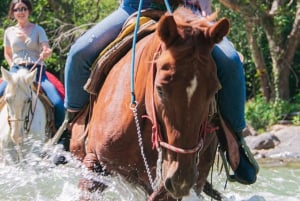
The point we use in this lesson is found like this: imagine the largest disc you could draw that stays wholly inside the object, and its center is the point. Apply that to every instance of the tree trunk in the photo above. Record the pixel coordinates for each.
(265, 84)
(282, 47)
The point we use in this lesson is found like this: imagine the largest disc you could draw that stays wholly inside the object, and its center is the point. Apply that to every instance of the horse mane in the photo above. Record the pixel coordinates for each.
(192, 29)
(184, 17)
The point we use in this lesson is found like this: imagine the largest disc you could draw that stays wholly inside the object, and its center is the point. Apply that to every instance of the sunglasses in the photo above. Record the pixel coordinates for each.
(23, 9)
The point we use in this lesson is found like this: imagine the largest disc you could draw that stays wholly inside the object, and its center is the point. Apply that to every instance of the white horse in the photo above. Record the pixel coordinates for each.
(23, 117)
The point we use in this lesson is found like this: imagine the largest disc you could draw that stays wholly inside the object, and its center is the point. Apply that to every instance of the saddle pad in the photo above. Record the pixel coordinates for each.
(57, 84)
(113, 52)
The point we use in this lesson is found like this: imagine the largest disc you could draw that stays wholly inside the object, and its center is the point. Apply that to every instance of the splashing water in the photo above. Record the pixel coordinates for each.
(35, 179)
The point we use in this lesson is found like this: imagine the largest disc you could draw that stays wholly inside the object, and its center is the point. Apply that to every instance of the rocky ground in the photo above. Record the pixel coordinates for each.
(279, 145)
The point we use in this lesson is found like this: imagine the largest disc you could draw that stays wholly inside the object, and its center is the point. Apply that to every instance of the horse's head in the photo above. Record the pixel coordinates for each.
(18, 97)
(184, 85)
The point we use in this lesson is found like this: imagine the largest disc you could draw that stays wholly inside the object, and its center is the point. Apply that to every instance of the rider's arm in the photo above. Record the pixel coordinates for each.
(8, 55)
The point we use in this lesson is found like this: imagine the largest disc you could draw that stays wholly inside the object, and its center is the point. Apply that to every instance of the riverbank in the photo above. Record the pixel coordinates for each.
(280, 145)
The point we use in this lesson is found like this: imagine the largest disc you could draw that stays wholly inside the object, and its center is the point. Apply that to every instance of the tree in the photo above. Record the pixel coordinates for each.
(280, 21)
(65, 20)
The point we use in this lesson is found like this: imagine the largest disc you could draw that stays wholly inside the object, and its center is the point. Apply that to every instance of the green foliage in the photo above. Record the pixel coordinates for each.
(296, 120)
(283, 20)
(58, 17)
(261, 114)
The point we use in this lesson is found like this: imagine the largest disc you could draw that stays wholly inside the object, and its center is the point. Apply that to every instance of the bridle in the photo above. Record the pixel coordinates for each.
(157, 139)
(32, 107)
(27, 120)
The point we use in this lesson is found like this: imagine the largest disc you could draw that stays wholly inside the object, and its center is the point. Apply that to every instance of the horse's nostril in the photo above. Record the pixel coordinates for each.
(168, 185)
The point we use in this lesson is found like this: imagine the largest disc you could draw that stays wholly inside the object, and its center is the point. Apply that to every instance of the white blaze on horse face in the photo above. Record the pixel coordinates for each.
(190, 90)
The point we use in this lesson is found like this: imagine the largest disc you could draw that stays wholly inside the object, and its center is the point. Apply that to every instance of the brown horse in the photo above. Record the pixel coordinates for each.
(175, 82)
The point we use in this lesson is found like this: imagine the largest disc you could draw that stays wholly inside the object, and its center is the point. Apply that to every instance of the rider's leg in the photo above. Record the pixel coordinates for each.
(54, 97)
(85, 51)
(2, 87)
(231, 101)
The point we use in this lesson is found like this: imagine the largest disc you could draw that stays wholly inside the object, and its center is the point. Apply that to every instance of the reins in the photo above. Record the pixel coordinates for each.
(38, 88)
(134, 104)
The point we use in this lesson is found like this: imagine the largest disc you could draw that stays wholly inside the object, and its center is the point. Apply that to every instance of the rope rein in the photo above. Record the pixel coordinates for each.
(133, 100)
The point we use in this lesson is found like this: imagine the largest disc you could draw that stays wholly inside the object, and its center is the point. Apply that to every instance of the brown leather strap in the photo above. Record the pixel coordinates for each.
(232, 145)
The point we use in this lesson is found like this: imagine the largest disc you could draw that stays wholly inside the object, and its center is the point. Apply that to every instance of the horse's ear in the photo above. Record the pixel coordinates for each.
(30, 77)
(167, 29)
(6, 75)
(219, 30)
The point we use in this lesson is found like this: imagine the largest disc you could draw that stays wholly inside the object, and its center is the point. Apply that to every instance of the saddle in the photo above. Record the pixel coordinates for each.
(119, 47)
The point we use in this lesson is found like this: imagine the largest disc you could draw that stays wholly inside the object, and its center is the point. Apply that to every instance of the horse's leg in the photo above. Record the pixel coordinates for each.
(210, 191)
(19, 153)
(88, 185)
(206, 161)
(79, 134)
(161, 195)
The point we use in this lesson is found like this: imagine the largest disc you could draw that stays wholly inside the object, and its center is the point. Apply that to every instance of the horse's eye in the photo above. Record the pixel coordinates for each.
(28, 100)
(165, 67)
(7, 99)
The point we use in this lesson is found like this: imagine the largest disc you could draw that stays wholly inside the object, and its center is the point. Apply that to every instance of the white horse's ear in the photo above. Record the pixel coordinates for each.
(6, 75)
(31, 76)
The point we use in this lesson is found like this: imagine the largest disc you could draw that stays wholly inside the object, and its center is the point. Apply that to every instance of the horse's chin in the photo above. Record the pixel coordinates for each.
(176, 192)
(176, 184)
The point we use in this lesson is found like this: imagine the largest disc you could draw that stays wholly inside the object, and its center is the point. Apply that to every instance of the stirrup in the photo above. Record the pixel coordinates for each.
(59, 132)
(250, 157)
(248, 153)
(69, 117)
(226, 165)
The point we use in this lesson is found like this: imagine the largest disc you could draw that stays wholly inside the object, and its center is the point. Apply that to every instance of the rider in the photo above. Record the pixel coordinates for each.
(230, 72)
(26, 44)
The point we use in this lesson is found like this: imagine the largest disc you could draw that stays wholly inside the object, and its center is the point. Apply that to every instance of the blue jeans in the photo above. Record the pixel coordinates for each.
(232, 96)
(50, 90)
(86, 49)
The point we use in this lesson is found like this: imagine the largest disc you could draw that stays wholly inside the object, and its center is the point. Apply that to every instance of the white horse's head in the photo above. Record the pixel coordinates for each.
(19, 99)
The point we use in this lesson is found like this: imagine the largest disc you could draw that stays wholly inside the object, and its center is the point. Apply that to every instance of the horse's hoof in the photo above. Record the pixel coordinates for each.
(59, 160)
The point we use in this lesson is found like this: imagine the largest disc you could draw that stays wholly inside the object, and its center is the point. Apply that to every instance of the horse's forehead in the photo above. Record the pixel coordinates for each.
(17, 85)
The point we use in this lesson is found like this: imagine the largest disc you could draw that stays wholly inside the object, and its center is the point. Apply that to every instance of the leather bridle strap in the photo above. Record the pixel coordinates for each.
(156, 134)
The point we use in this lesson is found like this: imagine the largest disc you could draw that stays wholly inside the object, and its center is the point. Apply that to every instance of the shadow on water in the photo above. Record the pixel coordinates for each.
(40, 180)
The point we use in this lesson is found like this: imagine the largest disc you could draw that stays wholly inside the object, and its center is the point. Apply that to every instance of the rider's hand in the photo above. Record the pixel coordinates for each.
(46, 53)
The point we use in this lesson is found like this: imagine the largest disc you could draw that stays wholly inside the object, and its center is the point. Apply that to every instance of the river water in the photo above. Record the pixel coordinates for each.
(40, 180)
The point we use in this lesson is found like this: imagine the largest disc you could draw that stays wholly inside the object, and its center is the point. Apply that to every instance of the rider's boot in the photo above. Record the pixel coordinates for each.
(66, 136)
(248, 168)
